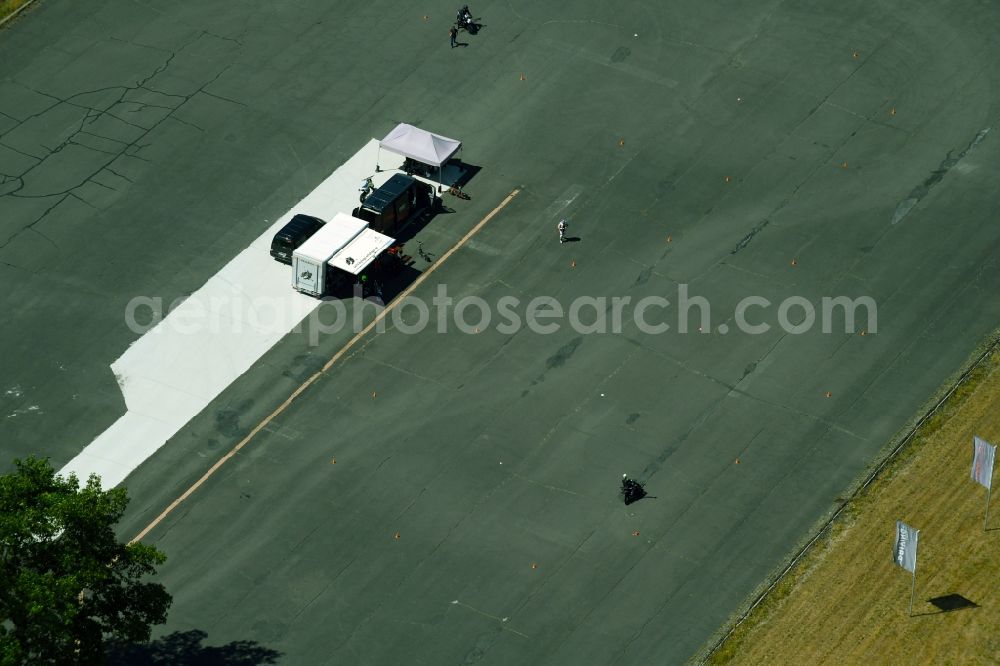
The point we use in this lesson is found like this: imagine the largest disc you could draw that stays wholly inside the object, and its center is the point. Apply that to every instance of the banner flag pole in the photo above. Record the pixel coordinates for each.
(913, 587)
(987, 516)
(913, 583)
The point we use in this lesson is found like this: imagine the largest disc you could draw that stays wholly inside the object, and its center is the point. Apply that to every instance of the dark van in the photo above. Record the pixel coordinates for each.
(393, 205)
(292, 235)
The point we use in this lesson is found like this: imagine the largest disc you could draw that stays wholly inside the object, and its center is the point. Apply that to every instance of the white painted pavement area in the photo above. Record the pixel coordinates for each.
(177, 368)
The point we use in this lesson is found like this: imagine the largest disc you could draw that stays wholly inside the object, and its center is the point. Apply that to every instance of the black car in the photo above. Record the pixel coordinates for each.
(292, 235)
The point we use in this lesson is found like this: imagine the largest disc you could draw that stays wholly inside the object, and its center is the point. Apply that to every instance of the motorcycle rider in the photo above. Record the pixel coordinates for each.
(464, 17)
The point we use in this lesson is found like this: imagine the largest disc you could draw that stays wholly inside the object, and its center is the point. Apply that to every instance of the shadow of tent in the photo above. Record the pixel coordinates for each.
(468, 172)
(952, 602)
(453, 172)
(185, 647)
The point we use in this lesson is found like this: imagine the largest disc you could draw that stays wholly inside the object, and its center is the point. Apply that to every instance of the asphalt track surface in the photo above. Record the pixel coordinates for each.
(145, 144)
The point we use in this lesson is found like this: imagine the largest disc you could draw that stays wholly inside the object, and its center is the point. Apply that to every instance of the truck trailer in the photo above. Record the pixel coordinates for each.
(309, 260)
(343, 250)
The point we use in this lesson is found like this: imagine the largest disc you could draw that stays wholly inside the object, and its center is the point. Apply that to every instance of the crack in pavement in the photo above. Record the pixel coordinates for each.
(921, 190)
(93, 113)
(20, 152)
(31, 226)
(749, 237)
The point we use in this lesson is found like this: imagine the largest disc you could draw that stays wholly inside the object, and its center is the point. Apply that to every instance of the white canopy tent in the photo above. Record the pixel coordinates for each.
(420, 145)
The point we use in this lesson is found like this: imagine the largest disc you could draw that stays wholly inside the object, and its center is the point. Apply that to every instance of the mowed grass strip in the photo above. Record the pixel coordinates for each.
(8, 7)
(846, 601)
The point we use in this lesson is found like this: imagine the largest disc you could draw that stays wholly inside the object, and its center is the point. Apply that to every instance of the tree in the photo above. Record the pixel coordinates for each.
(66, 582)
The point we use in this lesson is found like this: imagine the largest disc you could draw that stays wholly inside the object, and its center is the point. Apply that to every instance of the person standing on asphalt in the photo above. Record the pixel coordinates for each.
(562, 230)
(453, 33)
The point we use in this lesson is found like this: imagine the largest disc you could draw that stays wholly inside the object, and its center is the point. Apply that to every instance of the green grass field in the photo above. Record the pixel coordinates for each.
(8, 7)
(846, 602)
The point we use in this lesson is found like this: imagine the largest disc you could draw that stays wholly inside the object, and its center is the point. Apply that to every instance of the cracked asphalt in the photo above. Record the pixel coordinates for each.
(451, 498)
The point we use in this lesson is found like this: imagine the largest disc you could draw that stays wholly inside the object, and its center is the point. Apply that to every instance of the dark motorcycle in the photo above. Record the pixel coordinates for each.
(631, 490)
(465, 21)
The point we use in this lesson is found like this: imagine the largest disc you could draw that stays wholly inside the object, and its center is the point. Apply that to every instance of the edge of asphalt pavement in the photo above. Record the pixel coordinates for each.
(895, 449)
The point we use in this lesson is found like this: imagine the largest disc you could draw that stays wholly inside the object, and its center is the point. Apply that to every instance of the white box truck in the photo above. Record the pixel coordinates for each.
(309, 261)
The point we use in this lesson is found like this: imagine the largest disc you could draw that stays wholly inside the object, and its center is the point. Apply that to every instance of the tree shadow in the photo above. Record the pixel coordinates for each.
(185, 647)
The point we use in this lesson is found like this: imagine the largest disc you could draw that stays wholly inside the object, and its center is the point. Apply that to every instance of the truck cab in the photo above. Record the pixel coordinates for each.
(395, 203)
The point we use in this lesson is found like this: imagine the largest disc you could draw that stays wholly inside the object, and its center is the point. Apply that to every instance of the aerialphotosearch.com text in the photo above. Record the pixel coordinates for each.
(508, 315)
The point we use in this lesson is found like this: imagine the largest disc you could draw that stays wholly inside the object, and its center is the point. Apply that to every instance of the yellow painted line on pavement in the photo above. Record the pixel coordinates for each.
(329, 364)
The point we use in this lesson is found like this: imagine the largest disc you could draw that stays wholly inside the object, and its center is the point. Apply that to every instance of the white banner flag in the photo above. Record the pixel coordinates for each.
(904, 550)
(983, 454)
